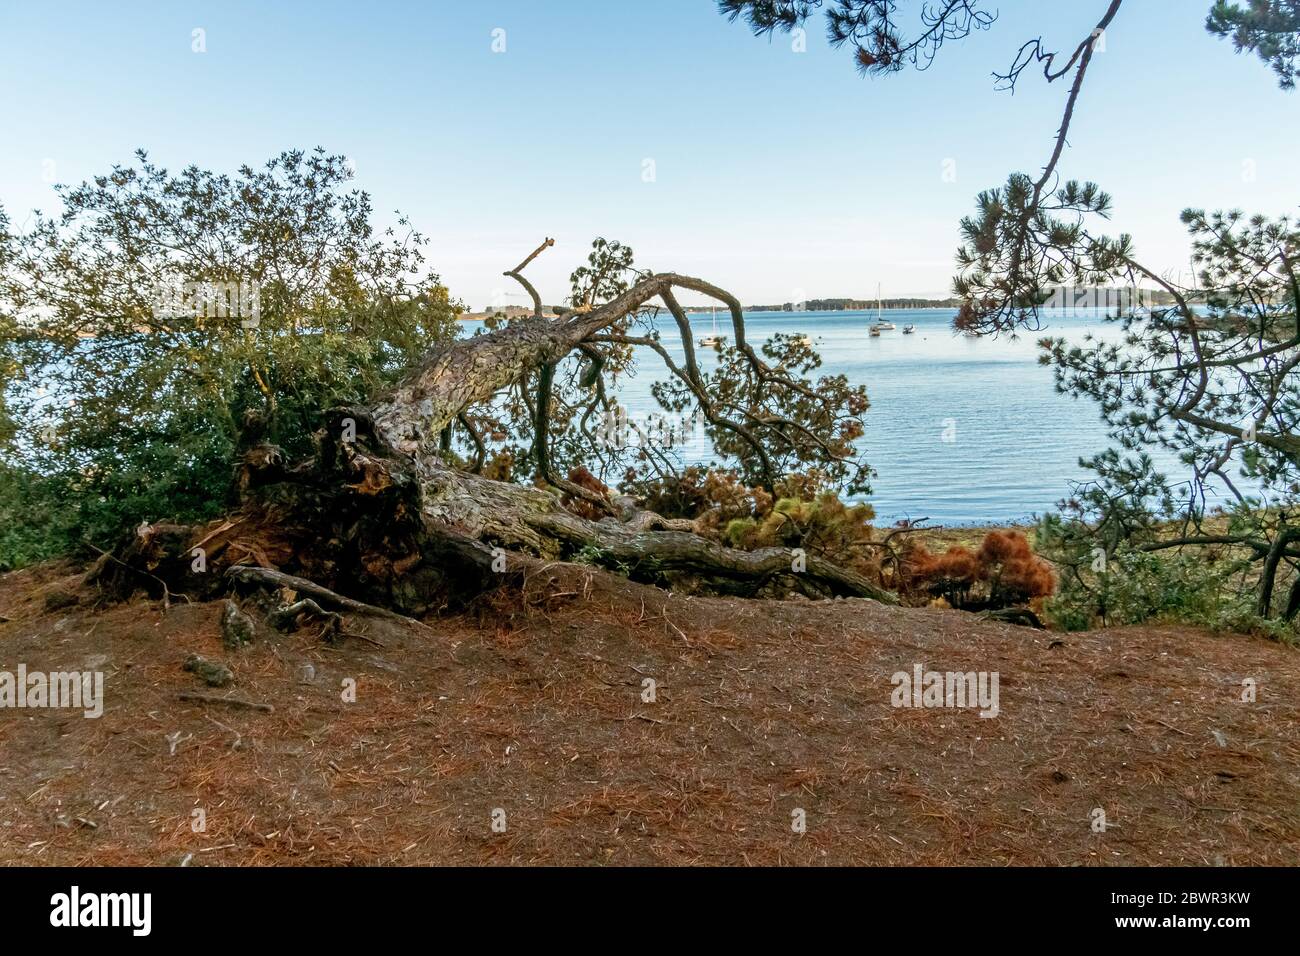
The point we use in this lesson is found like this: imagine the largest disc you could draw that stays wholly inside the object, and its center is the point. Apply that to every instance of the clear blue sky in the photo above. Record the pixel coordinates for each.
(777, 174)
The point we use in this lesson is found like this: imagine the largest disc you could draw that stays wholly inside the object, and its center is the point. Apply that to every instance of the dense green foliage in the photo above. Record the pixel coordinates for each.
(1141, 587)
(160, 322)
(1268, 28)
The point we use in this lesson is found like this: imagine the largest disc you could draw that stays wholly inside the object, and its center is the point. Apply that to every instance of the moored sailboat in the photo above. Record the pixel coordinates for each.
(713, 340)
(880, 325)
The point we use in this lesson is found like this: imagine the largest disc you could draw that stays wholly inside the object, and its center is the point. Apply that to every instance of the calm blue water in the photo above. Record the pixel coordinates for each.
(1015, 443)
(961, 430)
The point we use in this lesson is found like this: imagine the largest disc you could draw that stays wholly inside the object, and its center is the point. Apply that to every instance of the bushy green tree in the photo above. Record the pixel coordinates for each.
(161, 320)
(1212, 379)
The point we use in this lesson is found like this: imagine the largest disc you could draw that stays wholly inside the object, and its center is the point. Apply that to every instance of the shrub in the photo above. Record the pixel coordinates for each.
(1139, 587)
(710, 496)
(583, 478)
(134, 402)
(1004, 572)
(36, 518)
(805, 513)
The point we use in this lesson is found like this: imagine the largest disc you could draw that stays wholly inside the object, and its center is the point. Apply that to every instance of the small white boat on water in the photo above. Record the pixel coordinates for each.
(909, 329)
(712, 341)
(880, 325)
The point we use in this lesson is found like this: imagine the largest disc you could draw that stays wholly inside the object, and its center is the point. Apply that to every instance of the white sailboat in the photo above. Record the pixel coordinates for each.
(880, 325)
(712, 341)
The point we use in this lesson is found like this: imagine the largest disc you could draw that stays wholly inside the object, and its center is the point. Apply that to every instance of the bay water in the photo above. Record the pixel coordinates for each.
(961, 429)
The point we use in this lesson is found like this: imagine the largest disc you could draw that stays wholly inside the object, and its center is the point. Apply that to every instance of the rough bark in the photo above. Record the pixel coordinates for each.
(532, 519)
(1264, 600)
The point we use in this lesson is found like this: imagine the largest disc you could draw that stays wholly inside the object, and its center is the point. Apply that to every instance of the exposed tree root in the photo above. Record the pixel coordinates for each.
(1022, 616)
(319, 595)
(190, 697)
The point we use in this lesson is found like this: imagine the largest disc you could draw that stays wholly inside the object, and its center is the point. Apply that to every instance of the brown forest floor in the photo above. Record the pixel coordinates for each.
(533, 705)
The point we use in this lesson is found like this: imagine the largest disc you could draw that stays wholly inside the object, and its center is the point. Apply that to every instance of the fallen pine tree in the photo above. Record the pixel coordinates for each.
(386, 515)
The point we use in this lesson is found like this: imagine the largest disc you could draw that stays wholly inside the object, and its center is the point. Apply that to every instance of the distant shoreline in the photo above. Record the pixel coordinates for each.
(516, 311)
(854, 306)
(1069, 298)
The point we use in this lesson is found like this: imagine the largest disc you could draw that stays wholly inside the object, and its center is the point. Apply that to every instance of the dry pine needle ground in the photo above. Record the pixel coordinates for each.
(532, 704)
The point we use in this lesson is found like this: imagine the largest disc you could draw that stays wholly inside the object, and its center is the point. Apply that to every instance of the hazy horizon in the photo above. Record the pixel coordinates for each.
(777, 175)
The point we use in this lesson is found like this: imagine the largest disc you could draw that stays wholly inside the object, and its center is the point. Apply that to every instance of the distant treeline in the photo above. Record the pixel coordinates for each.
(1062, 297)
(844, 305)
